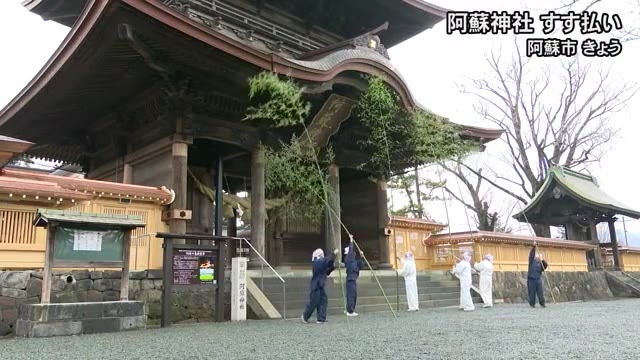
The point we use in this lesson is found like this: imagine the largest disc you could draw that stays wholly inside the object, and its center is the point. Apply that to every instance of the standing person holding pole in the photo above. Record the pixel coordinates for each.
(463, 270)
(485, 268)
(537, 266)
(353, 272)
(322, 267)
(410, 284)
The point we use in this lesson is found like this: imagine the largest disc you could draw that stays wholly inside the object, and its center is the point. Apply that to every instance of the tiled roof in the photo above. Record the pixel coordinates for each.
(582, 187)
(401, 221)
(487, 236)
(26, 183)
(44, 216)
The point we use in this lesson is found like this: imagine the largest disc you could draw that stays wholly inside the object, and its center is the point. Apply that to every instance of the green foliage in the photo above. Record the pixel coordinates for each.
(293, 173)
(399, 139)
(276, 101)
(406, 183)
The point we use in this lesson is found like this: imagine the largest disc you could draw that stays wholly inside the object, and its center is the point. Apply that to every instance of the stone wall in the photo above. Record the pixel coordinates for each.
(566, 286)
(25, 287)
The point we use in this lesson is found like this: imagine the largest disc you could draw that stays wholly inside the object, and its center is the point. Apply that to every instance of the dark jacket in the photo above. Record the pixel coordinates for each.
(535, 267)
(352, 264)
(321, 269)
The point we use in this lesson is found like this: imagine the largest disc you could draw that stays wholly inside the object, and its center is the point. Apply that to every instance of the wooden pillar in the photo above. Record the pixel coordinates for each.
(334, 226)
(219, 196)
(127, 174)
(258, 211)
(205, 214)
(614, 244)
(383, 223)
(124, 280)
(180, 150)
(232, 228)
(45, 297)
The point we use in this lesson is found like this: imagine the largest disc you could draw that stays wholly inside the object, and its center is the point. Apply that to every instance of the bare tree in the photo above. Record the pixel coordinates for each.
(631, 29)
(476, 198)
(543, 124)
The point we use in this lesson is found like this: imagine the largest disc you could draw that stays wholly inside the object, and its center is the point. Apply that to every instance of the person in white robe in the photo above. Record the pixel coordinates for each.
(463, 270)
(485, 268)
(408, 271)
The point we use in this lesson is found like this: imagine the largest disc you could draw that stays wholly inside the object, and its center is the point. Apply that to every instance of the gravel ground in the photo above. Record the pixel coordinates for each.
(593, 330)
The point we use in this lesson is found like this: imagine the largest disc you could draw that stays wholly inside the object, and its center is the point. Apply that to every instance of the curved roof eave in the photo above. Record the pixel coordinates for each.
(554, 176)
(89, 16)
(364, 61)
(428, 7)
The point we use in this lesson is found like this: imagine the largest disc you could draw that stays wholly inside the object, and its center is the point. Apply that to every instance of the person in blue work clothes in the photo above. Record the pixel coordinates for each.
(534, 277)
(353, 271)
(322, 267)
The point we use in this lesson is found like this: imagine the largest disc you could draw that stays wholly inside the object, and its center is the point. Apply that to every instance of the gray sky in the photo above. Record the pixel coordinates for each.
(433, 63)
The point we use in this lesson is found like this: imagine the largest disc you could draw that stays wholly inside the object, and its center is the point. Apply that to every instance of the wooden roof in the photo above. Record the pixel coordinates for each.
(45, 216)
(95, 71)
(413, 223)
(493, 237)
(10, 148)
(567, 193)
(38, 187)
(345, 19)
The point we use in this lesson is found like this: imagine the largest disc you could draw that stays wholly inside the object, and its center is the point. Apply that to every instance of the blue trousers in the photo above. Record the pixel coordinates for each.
(535, 287)
(317, 302)
(352, 295)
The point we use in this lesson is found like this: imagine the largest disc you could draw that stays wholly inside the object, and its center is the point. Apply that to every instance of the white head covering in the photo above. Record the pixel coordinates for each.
(489, 257)
(409, 255)
(317, 254)
(466, 256)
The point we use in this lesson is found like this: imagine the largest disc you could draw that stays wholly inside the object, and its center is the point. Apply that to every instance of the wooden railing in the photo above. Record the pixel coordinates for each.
(22, 245)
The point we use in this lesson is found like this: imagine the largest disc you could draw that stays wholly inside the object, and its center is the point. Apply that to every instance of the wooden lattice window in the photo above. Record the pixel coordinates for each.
(16, 227)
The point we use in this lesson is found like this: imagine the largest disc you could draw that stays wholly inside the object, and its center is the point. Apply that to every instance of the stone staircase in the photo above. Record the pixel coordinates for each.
(435, 289)
(623, 284)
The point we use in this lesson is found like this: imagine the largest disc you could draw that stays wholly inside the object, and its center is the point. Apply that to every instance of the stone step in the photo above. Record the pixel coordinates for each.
(304, 284)
(292, 299)
(267, 274)
(362, 291)
(382, 280)
(364, 309)
(303, 287)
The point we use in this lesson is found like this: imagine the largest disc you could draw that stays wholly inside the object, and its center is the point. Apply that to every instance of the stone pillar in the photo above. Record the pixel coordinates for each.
(258, 211)
(180, 150)
(127, 174)
(334, 226)
(614, 244)
(383, 222)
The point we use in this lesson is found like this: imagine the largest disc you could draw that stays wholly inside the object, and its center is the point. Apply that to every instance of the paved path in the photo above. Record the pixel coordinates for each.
(593, 330)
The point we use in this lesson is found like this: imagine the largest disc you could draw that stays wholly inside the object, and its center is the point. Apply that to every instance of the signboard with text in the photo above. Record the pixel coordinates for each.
(239, 289)
(193, 267)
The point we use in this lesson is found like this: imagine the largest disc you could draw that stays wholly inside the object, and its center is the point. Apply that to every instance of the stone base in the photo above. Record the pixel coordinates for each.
(43, 320)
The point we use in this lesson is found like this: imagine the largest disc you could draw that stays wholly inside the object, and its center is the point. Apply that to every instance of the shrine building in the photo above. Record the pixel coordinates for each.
(153, 93)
